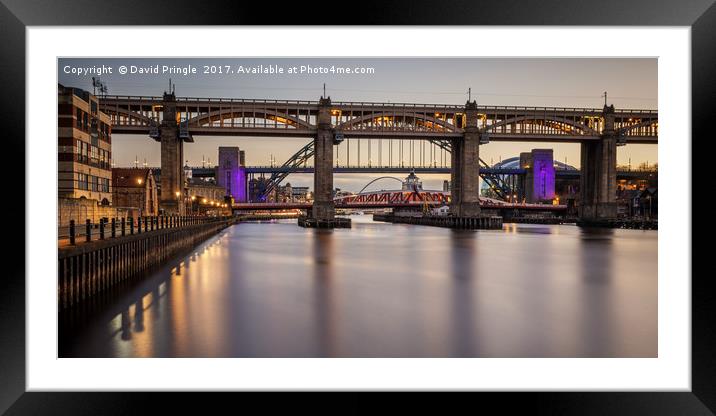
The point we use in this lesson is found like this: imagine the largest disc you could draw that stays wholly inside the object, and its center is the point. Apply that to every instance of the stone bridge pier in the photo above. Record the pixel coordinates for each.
(172, 148)
(465, 172)
(323, 205)
(598, 181)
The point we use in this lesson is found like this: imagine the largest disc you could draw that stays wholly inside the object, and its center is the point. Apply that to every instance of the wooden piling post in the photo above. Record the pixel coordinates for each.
(72, 232)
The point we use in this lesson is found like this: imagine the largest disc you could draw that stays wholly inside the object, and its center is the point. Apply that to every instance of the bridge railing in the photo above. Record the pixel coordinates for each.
(636, 111)
(245, 101)
(193, 101)
(455, 107)
(512, 108)
(621, 168)
(483, 108)
(129, 98)
(451, 107)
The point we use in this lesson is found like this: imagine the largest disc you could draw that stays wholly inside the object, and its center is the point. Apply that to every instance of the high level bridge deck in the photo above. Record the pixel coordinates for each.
(295, 118)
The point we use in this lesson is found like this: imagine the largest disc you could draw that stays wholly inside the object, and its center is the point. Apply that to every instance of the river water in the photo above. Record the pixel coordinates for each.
(274, 289)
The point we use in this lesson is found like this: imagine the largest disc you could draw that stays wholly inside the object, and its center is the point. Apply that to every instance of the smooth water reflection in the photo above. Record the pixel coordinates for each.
(390, 290)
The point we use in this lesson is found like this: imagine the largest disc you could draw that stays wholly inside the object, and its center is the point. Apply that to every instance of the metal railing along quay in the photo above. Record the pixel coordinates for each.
(105, 228)
(104, 255)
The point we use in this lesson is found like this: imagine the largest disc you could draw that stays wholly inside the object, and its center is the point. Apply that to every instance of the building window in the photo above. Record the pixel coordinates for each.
(103, 131)
(84, 152)
(94, 156)
(103, 159)
(82, 181)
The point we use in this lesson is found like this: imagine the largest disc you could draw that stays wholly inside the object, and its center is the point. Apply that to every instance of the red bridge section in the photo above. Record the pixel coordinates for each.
(393, 199)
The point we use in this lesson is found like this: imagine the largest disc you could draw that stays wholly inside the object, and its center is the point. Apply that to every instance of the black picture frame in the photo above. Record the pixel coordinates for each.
(15, 15)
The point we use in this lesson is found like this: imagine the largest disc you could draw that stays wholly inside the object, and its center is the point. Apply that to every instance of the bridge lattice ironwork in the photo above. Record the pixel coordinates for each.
(295, 118)
(299, 159)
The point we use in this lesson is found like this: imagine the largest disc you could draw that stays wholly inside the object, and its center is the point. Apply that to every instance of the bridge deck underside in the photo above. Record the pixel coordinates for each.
(307, 134)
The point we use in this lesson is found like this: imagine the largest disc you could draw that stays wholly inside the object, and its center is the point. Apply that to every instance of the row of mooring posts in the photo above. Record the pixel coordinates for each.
(126, 226)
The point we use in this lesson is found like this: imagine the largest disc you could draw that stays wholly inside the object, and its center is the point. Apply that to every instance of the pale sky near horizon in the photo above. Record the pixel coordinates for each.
(563, 82)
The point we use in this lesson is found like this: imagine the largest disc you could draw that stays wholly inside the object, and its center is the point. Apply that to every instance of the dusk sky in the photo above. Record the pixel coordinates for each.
(561, 82)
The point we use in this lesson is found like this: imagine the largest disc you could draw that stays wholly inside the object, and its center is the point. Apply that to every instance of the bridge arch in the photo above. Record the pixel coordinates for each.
(389, 119)
(559, 124)
(233, 113)
(379, 178)
(301, 157)
(298, 159)
(647, 127)
(134, 117)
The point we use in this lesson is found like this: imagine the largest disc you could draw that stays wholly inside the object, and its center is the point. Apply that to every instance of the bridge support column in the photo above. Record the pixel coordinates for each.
(172, 149)
(323, 205)
(465, 171)
(598, 181)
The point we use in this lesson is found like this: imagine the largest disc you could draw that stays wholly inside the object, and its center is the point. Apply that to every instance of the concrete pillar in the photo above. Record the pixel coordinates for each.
(172, 149)
(455, 175)
(465, 169)
(598, 180)
(323, 206)
(528, 183)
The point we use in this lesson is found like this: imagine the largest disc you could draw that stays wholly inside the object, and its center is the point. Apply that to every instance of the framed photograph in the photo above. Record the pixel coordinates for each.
(415, 206)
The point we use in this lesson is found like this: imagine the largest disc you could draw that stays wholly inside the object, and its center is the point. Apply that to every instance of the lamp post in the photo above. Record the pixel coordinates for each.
(178, 194)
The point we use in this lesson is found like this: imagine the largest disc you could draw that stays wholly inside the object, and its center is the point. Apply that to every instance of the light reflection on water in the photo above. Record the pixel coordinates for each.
(390, 290)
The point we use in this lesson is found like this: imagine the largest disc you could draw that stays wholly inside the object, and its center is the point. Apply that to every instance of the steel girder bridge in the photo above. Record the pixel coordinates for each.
(300, 159)
(278, 173)
(293, 118)
(391, 199)
(443, 125)
(561, 173)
